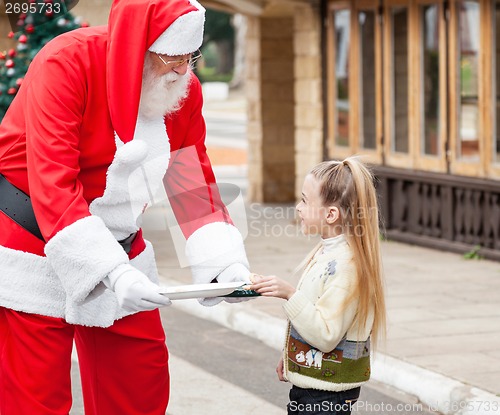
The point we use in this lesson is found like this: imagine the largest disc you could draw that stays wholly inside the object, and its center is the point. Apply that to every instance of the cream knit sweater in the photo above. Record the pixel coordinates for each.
(324, 348)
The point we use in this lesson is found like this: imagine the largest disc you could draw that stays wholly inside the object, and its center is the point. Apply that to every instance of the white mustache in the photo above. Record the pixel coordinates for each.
(172, 77)
(162, 94)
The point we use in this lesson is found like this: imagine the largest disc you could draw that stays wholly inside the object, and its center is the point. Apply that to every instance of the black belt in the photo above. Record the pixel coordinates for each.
(17, 205)
(127, 242)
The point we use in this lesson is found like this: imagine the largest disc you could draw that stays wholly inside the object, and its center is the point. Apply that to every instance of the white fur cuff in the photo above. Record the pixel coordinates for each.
(213, 248)
(82, 254)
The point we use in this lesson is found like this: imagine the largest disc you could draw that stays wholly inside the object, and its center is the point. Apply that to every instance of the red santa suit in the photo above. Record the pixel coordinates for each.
(74, 142)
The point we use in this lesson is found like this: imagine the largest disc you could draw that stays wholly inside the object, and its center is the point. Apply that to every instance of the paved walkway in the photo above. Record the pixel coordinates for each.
(443, 340)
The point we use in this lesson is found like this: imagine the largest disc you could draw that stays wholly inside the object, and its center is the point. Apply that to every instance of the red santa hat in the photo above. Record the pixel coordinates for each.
(171, 27)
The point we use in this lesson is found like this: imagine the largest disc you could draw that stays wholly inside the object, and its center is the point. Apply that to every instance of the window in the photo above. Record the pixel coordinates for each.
(341, 20)
(399, 27)
(430, 83)
(468, 71)
(366, 21)
(415, 84)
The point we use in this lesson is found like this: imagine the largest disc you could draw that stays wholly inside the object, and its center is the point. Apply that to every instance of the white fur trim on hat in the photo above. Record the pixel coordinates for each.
(184, 35)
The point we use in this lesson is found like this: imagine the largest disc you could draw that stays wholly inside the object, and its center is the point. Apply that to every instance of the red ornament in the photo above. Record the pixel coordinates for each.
(2, 55)
(23, 39)
(12, 53)
(10, 35)
(19, 81)
(22, 16)
(30, 28)
(49, 13)
(12, 91)
(10, 63)
(85, 24)
(20, 22)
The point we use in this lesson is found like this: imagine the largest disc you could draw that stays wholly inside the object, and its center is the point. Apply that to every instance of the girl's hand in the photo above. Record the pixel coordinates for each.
(279, 371)
(271, 286)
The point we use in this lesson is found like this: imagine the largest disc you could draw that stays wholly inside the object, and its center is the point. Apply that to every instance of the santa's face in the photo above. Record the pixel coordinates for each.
(164, 84)
(163, 64)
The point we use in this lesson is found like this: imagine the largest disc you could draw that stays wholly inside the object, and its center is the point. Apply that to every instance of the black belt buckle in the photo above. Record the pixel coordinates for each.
(17, 205)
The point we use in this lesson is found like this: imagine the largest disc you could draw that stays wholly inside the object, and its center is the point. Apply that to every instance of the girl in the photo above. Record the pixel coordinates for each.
(339, 302)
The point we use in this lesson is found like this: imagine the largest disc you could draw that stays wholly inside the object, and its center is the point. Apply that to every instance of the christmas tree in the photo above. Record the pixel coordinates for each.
(33, 30)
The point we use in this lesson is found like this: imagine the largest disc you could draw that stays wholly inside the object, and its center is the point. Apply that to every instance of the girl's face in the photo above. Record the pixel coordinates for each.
(311, 211)
(315, 218)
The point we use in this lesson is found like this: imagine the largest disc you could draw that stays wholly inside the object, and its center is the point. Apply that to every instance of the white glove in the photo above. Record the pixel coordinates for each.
(134, 290)
(233, 273)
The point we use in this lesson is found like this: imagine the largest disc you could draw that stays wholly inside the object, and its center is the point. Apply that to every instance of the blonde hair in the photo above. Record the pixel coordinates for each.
(349, 185)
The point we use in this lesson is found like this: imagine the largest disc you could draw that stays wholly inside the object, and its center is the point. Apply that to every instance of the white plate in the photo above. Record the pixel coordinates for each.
(182, 292)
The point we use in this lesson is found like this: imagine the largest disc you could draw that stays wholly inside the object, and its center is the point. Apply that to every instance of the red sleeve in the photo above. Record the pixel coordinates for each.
(53, 117)
(190, 181)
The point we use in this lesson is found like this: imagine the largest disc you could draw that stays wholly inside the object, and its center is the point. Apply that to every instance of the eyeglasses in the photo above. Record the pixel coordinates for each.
(179, 62)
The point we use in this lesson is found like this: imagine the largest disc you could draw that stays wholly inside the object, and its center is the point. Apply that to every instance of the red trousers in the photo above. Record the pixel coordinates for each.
(124, 368)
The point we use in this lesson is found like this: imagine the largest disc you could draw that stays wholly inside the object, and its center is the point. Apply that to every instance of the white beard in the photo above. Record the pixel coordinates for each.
(161, 95)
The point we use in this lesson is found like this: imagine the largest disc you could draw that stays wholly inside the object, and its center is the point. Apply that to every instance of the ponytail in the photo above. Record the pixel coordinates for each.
(349, 185)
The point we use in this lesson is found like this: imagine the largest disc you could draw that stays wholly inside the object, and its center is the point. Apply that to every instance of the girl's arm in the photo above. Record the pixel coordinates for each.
(271, 286)
(322, 323)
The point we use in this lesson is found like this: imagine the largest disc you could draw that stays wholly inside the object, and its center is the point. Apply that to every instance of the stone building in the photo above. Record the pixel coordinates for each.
(412, 85)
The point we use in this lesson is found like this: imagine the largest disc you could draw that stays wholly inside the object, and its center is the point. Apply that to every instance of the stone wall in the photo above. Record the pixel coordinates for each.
(285, 112)
(254, 112)
(95, 12)
(270, 94)
(308, 92)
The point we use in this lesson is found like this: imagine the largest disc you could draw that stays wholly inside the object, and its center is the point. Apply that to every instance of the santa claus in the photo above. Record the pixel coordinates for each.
(105, 117)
